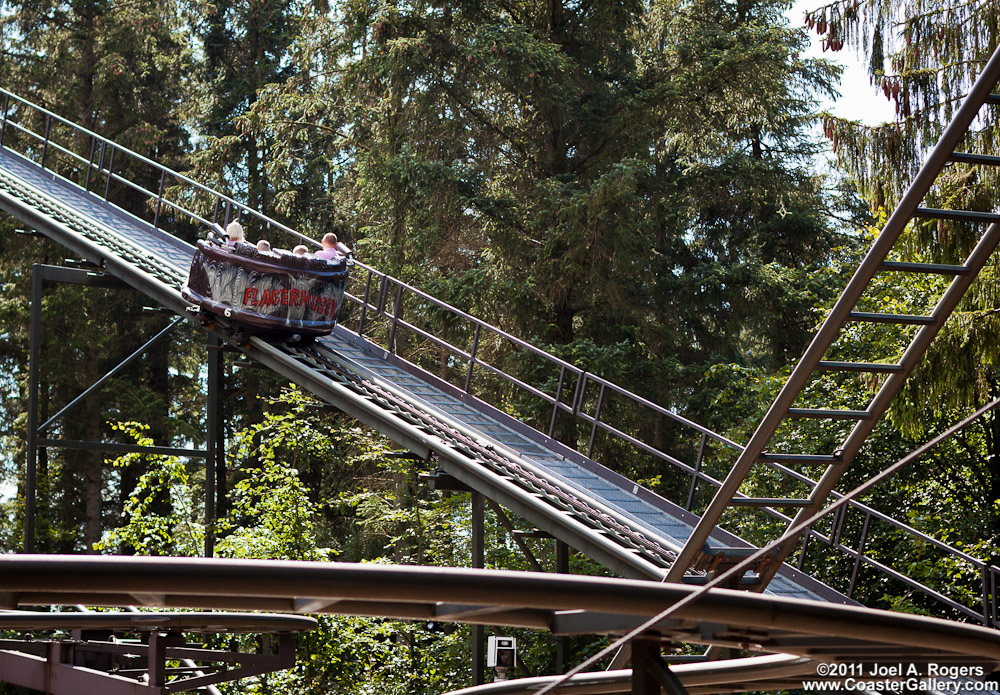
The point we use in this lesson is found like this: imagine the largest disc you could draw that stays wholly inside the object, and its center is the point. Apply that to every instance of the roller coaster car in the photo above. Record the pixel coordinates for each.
(267, 293)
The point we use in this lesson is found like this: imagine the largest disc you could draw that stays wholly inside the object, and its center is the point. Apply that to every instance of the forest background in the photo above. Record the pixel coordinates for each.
(637, 187)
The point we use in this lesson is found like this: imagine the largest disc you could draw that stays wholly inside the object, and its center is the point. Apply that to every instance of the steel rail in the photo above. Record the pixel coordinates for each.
(199, 622)
(209, 689)
(520, 470)
(760, 554)
(592, 527)
(518, 342)
(111, 176)
(885, 518)
(880, 404)
(562, 604)
(158, 167)
(839, 314)
(772, 672)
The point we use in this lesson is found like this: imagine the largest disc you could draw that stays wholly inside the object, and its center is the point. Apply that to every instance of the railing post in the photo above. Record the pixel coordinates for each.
(472, 357)
(993, 593)
(802, 553)
(45, 144)
(555, 406)
(90, 163)
(34, 367)
(159, 199)
(111, 167)
(861, 553)
(6, 110)
(364, 303)
(100, 162)
(212, 449)
(697, 470)
(478, 562)
(597, 418)
(581, 386)
(395, 319)
(215, 212)
(839, 518)
(383, 290)
(986, 595)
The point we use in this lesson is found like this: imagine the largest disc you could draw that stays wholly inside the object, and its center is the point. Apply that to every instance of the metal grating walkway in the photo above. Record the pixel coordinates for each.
(156, 263)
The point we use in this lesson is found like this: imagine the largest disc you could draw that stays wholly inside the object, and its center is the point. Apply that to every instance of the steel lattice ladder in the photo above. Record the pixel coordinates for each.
(696, 553)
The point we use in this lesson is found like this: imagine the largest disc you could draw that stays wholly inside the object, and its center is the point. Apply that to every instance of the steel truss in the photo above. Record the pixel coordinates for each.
(816, 358)
(43, 275)
(99, 658)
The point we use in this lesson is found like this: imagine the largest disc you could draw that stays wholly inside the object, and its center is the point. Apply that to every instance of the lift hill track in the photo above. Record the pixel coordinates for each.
(64, 181)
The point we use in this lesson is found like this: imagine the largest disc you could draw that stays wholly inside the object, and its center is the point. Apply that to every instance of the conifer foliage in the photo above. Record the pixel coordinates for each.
(924, 56)
(620, 174)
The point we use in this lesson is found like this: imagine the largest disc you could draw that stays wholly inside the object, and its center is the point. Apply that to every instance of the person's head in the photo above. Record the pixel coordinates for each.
(263, 245)
(235, 231)
(329, 240)
(300, 250)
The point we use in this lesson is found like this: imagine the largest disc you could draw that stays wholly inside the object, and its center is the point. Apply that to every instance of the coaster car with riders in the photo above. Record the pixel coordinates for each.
(275, 294)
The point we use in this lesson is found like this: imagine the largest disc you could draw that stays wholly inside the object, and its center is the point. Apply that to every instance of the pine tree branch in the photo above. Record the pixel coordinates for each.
(977, 472)
(943, 10)
(26, 56)
(497, 130)
(936, 69)
(317, 126)
(510, 10)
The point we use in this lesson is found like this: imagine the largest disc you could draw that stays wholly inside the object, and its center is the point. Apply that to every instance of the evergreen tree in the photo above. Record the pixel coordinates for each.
(628, 183)
(924, 57)
(245, 47)
(115, 68)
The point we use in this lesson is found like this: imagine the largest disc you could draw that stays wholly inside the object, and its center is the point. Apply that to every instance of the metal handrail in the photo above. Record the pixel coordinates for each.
(518, 342)
(220, 198)
(381, 308)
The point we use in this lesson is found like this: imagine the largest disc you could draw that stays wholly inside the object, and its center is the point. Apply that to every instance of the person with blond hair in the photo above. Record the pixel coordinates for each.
(300, 250)
(235, 232)
(264, 246)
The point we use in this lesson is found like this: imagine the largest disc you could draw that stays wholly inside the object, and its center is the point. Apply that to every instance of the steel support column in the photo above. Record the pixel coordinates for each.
(212, 449)
(478, 562)
(650, 673)
(41, 274)
(562, 642)
(32, 444)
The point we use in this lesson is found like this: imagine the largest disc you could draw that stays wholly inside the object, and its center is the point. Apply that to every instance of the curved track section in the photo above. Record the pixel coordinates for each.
(561, 604)
(772, 672)
(188, 621)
